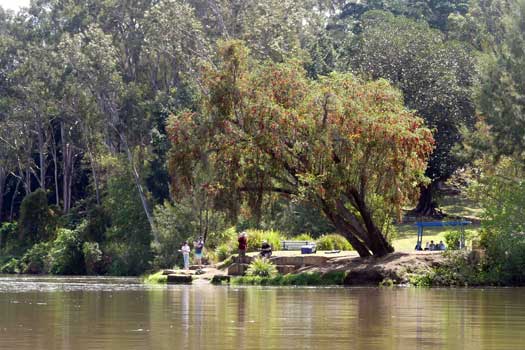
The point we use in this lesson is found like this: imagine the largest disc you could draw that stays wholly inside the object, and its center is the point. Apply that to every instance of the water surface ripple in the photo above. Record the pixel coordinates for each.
(120, 313)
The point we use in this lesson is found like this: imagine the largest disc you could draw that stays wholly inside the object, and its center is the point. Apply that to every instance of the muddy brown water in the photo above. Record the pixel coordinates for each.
(109, 313)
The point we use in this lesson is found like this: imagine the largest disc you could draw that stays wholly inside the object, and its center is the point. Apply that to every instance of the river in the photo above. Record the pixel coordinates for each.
(120, 313)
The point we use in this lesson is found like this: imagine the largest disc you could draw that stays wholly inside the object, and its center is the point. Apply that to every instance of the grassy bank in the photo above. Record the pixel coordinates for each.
(300, 279)
(156, 278)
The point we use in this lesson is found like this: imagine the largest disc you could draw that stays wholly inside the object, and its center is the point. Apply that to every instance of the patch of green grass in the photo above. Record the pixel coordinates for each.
(300, 279)
(460, 206)
(156, 278)
(407, 237)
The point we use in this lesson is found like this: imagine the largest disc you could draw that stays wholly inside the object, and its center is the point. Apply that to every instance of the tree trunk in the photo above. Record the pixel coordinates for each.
(91, 162)
(361, 232)
(3, 177)
(426, 205)
(137, 180)
(378, 243)
(55, 169)
(11, 209)
(42, 158)
(67, 169)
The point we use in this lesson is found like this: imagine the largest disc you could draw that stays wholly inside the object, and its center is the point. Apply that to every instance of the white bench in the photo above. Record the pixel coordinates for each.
(296, 245)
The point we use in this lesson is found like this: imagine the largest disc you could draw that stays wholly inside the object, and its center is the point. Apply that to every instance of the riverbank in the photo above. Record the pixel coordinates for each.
(399, 268)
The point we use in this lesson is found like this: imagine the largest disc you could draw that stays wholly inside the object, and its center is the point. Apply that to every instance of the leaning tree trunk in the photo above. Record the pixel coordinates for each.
(362, 233)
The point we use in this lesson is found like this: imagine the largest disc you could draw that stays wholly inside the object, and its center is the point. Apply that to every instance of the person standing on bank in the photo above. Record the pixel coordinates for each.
(199, 246)
(243, 244)
(185, 249)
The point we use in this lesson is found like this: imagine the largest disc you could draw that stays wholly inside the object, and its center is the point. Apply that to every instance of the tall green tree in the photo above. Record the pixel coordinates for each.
(434, 75)
(501, 91)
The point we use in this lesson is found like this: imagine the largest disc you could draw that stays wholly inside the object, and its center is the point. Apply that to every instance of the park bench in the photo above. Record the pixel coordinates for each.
(297, 245)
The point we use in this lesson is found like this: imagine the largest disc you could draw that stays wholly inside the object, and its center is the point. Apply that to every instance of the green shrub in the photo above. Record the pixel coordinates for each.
(92, 257)
(66, 253)
(304, 237)
(224, 251)
(128, 240)
(174, 224)
(36, 259)
(256, 237)
(11, 266)
(37, 221)
(156, 278)
(98, 222)
(333, 242)
(262, 268)
(9, 242)
(216, 239)
(127, 260)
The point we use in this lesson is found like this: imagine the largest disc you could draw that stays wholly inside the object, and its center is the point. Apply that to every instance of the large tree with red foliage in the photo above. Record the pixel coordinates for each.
(348, 146)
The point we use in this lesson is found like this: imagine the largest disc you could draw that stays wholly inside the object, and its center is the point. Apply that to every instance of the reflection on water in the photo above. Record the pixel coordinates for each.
(95, 313)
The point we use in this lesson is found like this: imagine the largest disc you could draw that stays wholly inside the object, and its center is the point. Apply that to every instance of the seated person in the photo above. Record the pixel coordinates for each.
(441, 246)
(432, 246)
(266, 249)
(427, 246)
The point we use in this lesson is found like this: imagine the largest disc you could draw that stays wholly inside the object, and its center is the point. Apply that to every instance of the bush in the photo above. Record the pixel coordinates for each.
(156, 278)
(98, 222)
(215, 239)
(92, 258)
(333, 242)
(256, 237)
(304, 237)
(129, 237)
(224, 251)
(127, 260)
(261, 268)
(11, 266)
(36, 259)
(37, 221)
(9, 242)
(453, 238)
(66, 253)
(173, 225)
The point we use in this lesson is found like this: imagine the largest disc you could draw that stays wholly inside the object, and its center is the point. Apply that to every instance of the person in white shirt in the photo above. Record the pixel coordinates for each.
(186, 255)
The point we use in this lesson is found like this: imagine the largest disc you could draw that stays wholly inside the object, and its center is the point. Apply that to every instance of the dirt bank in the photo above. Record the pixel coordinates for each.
(398, 267)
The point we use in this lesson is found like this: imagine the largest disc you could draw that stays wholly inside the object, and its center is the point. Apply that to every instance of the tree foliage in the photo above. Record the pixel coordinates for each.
(501, 90)
(435, 76)
(338, 142)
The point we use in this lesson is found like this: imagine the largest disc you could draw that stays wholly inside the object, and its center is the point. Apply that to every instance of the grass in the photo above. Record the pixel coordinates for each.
(156, 278)
(301, 279)
(455, 206)
(460, 206)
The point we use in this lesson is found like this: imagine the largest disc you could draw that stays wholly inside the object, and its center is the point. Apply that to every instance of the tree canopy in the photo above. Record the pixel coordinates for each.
(434, 75)
(347, 145)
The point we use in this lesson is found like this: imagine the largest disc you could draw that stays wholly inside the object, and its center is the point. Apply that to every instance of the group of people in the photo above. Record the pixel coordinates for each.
(185, 250)
(432, 246)
(266, 248)
(265, 251)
